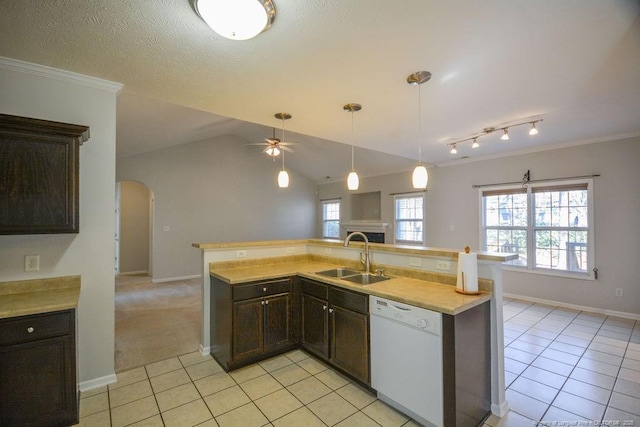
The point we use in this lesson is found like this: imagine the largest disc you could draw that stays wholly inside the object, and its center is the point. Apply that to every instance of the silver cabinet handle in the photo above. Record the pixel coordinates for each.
(324, 307)
(331, 310)
(267, 302)
(264, 289)
(30, 329)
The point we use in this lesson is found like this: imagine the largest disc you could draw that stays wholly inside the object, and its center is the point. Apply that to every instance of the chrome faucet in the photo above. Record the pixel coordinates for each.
(367, 255)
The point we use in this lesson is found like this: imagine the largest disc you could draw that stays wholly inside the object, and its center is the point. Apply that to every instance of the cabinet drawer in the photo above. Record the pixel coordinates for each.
(256, 290)
(36, 327)
(315, 289)
(349, 300)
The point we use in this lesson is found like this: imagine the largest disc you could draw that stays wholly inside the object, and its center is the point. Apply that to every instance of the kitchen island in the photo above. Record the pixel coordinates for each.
(415, 280)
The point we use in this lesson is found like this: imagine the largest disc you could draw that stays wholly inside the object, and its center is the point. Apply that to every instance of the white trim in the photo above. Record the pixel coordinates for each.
(616, 313)
(205, 351)
(57, 74)
(173, 279)
(98, 382)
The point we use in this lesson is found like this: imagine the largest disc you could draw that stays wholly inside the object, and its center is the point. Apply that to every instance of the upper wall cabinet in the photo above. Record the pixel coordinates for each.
(39, 173)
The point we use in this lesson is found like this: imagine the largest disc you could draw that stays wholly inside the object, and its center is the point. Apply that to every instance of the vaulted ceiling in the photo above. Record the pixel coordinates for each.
(573, 63)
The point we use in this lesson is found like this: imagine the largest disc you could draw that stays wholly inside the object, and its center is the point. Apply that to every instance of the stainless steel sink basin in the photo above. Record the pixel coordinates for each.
(338, 272)
(365, 278)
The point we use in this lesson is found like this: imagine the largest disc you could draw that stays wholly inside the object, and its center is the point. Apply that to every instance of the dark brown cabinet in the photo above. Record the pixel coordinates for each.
(335, 326)
(39, 175)
(250, 321)
(38, 384)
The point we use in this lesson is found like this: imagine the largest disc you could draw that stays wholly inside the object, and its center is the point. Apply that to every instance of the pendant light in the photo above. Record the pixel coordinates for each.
(283, 176)
(420, 176)
(236, 19)
(353, 182)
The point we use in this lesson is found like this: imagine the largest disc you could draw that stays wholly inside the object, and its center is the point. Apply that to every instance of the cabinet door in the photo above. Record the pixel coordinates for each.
(315, 324)
(350, 342)
(248, 327)
(277, 321)
(37, 383)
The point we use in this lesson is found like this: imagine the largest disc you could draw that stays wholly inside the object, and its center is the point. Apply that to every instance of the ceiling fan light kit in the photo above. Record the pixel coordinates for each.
(236, 19)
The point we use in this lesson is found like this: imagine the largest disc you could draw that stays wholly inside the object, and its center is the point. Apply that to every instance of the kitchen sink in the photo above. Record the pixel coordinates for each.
(365, 278)
(338, 272)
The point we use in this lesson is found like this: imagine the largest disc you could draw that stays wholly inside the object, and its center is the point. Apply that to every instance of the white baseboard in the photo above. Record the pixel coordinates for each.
(205, 350)
(98, 382)
(134, 273)
(173, 279)
(574, 306)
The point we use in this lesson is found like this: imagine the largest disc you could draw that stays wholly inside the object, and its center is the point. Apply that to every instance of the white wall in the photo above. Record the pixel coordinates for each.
(217, 190)
(453, 218)
(80, 100)
(135, 203)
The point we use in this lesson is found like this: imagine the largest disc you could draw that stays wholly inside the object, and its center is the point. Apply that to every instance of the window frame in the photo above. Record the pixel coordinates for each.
(396, 220)
(531, 228)
(325, 220)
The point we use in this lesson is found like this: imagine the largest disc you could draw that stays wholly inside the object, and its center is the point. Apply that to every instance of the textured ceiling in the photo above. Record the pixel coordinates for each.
(575, 63)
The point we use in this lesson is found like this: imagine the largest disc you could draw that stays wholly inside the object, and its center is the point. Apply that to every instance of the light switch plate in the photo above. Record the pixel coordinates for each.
(443, 265)
(241, 253)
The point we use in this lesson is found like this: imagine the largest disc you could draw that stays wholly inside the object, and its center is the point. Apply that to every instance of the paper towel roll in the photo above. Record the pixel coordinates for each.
(467, 268)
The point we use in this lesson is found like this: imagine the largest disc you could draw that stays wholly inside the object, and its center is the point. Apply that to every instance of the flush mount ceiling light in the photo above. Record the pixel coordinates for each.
(283, 176)
(353, 182)
(420, 176)
(236, 19)
(486, 131)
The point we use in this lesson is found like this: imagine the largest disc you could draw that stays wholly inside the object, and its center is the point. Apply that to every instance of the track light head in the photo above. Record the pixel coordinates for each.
(475, 143)
(533, 131)
(454, 149)
(505, 134)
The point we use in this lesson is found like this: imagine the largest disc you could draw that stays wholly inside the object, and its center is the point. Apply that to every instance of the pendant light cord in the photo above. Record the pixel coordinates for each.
(352, 148)
(419, 126)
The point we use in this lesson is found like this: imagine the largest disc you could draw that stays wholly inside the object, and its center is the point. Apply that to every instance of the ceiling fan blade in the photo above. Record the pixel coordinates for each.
(282, 147)
(287, 143)
(259, 143)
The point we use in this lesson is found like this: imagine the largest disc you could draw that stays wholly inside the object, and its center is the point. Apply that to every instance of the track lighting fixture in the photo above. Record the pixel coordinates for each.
(486, 131)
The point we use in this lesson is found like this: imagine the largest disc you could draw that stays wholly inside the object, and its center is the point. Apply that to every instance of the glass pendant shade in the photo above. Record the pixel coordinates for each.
(283, 179)
(236, 19)
(273, 151)
(420, 177)
(353, 182)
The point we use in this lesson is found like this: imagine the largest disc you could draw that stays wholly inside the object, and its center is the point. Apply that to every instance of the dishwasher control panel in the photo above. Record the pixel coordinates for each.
(417, 317)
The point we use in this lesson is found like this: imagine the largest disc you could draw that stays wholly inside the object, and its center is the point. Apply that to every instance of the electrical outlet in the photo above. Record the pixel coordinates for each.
(32, 263)
(290, 250)
(443, 265)
(618, 292)
(241, 253)
(166, 228)
(415, 262)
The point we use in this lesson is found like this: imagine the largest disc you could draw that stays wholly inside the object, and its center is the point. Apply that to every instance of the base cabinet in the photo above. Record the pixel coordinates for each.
(38, 384)
(335, 327)
(251, 321)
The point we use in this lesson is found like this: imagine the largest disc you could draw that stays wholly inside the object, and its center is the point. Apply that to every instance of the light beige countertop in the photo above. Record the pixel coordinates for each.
(427, 294)
(378, 247)
(24, 297)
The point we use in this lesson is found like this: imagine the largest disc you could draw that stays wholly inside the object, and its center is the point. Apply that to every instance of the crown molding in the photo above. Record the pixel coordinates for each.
(61, 75)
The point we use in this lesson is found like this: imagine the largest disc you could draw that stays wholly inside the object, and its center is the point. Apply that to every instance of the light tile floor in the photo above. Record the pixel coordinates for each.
(562, 367)
(568, 367)
(293, 389)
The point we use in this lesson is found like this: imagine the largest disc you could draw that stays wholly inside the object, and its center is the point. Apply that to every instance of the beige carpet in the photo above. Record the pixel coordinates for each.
(155, 321)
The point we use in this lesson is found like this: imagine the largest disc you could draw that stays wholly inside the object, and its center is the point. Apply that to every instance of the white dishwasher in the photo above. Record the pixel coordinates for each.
(406, 359)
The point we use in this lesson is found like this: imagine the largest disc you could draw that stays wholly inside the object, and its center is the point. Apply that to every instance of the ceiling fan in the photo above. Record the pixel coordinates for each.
(274, 146)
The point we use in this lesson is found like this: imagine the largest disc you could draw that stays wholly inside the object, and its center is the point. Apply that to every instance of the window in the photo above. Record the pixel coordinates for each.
(547, 225)
(331, 219)
(409, 219)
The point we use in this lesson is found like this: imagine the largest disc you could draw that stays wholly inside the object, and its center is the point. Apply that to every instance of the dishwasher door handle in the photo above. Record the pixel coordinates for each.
(400, 308)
